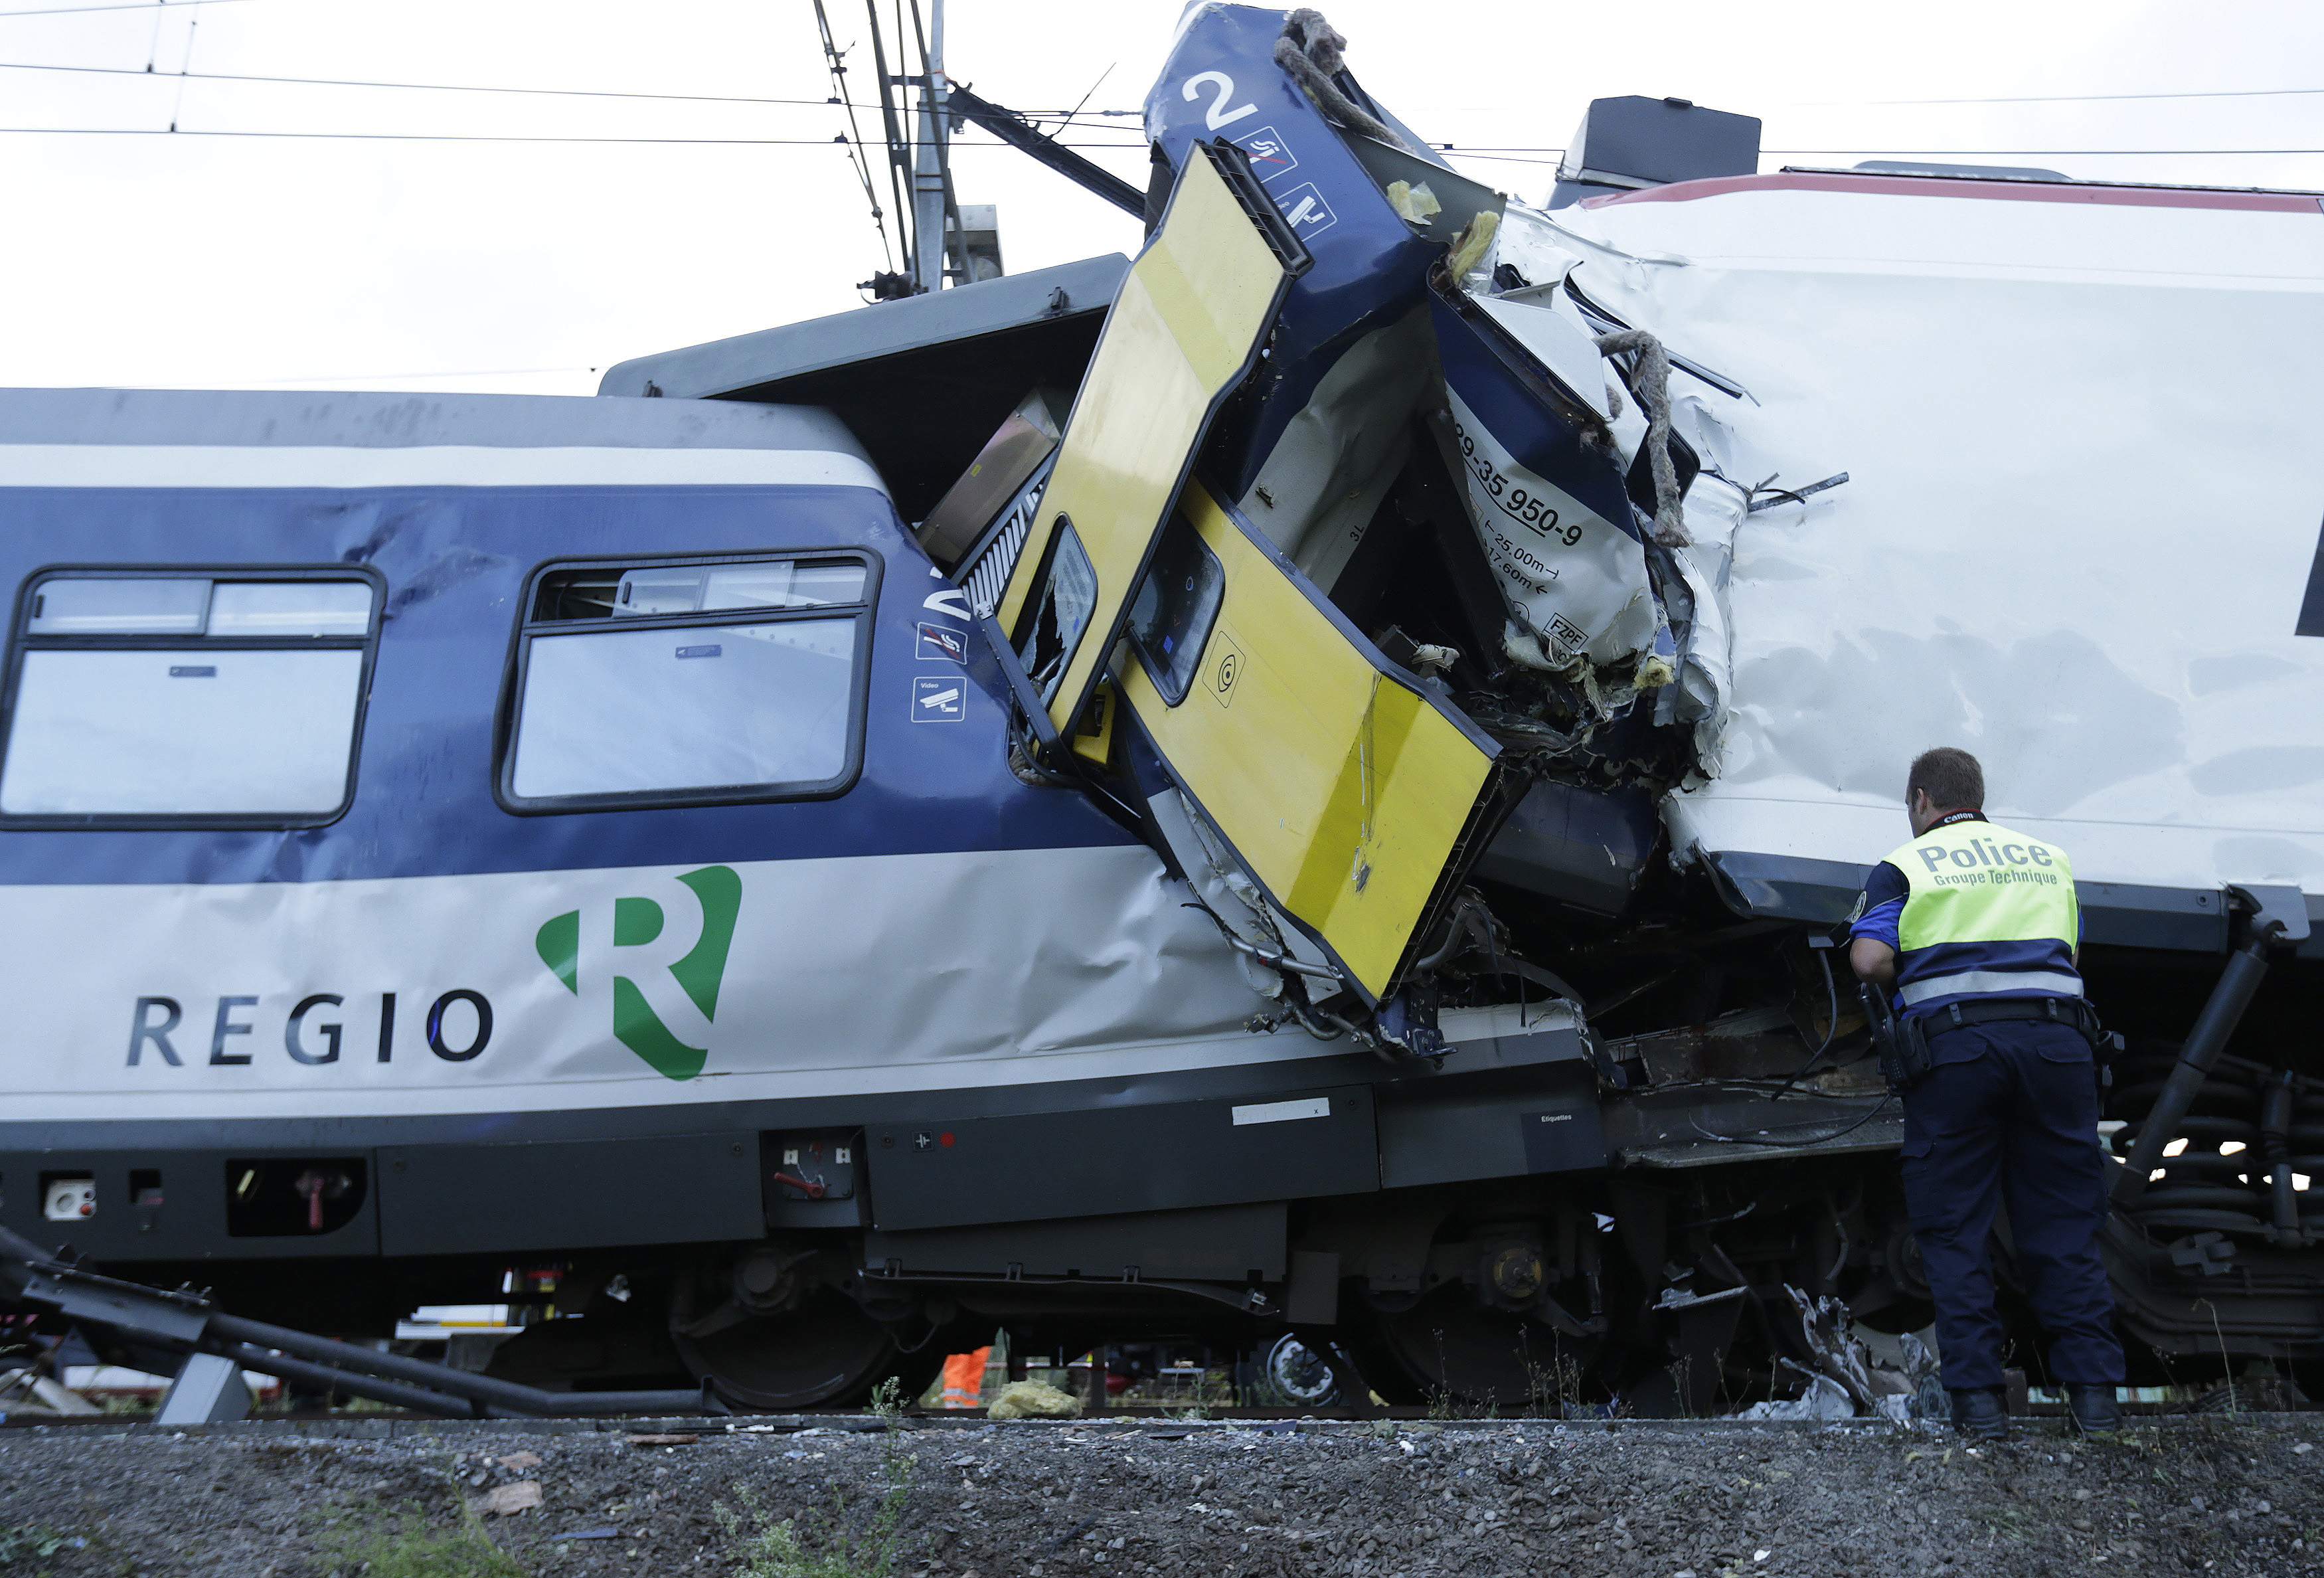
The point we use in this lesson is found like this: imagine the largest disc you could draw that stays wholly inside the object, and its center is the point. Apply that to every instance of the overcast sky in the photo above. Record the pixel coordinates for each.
(209, 261)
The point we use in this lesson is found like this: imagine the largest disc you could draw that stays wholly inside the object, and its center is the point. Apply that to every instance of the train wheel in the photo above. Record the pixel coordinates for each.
(1286, 1373)
(767, 1336)
(1455, 1350)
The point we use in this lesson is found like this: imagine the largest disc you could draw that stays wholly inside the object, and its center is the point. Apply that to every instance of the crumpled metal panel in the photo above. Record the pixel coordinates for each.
(2082, 522)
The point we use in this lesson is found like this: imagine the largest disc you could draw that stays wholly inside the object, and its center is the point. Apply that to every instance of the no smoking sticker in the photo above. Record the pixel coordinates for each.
(938, 645)
(1270, 156)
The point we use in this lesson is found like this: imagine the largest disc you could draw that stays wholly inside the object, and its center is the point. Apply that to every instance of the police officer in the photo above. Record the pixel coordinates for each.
(1975, 930)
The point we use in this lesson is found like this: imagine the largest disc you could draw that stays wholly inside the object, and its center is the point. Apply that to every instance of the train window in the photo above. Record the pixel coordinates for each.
(1176, 605)
(193, 697)
(1068, 600)
(140, 605)
(622, 592)
(290, 608)
(684, 682)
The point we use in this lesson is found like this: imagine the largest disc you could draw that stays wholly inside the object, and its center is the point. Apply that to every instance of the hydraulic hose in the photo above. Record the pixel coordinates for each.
(2222, 1012)
(2276, 1104)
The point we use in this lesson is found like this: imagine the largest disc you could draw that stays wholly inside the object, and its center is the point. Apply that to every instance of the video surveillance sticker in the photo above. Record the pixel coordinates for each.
(939, 698)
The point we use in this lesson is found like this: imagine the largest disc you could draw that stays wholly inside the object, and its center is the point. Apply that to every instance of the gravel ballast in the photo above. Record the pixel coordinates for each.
(1221, 1500)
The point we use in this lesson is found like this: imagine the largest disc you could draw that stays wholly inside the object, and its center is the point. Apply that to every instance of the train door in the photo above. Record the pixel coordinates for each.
(1332, 790)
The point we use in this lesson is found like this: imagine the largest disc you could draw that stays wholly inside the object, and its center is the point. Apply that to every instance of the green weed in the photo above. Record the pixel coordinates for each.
(30, 1542)
(768, 1546)
(403, 1545)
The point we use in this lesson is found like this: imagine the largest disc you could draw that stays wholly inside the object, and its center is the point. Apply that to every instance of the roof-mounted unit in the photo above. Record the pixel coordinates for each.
(1636, 142)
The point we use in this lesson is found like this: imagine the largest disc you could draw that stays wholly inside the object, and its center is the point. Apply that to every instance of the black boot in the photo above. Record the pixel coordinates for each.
(1980, 1413)
(2094, 1410)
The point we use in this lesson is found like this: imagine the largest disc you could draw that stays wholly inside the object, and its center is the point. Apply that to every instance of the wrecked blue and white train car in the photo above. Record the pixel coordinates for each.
(1303, 793)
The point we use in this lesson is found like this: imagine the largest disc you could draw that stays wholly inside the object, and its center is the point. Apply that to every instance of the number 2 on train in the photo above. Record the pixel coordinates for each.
(1218, 114)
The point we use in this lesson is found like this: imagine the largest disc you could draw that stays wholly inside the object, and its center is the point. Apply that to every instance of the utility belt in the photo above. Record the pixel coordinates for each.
(1903, 1043)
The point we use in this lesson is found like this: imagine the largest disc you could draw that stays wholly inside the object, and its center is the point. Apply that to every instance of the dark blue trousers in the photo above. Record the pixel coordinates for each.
(2009, 1115)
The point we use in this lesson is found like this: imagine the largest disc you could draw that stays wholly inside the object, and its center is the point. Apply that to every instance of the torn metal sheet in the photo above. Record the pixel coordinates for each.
(1697, 605)
(1545, 497)
(2146, 700)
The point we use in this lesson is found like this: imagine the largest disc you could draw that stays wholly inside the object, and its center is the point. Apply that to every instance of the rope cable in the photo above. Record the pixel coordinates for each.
(1310, 50)
(1650, 373)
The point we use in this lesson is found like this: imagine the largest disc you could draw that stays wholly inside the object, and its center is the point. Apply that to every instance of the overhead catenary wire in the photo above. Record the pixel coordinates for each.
(276, 81)
(362, 377)
(1124, 145)
(495, 137)
(178, 104)
(838, 60)
(2042, 152)
(2073, 97)
(1509, 153)
(131, 5)
(1092, 93)
(907, 222)
(1454, 151)
(271, 80)
(1077, 116)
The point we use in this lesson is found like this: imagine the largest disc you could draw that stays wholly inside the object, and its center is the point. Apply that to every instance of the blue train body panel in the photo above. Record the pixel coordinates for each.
(443, 950)
(457, 562)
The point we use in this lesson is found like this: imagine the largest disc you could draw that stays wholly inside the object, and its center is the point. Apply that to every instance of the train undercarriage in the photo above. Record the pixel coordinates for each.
(1745, 1231)
(1755, 1182)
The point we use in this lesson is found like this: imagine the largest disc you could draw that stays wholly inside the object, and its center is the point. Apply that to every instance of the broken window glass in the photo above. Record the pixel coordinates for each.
(1068, 597)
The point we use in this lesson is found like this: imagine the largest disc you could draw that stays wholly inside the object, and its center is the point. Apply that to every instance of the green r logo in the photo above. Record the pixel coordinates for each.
(637, 922)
